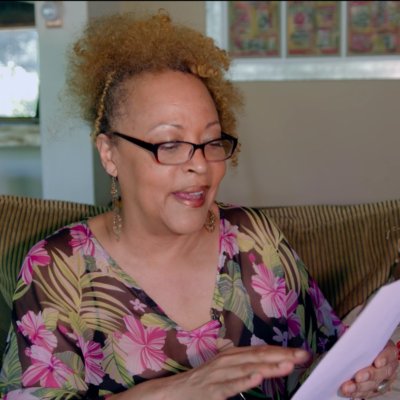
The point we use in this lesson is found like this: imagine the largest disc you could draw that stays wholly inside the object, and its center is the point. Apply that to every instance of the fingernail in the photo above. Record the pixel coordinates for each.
(351, 388)
(364, 377)
(301, 354)
(254, 375)
(285, 364)
(382, 362)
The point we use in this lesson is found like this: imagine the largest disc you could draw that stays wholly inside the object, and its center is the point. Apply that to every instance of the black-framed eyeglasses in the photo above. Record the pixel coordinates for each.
(178, 152)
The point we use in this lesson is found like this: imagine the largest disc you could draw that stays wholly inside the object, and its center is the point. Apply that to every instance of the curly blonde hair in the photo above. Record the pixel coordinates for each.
(116, 47)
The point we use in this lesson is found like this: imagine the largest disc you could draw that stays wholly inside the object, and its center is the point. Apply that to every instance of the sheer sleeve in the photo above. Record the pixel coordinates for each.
(312, 324)
(51, 353)
(284, 305)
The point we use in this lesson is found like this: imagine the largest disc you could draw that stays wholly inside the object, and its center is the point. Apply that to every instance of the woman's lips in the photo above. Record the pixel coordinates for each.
(195, 198)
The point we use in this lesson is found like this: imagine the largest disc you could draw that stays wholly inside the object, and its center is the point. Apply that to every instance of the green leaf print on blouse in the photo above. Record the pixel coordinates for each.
(74, 381)
(50, 318)
(158, 321)
(56, 394)
(236, 298)
(269, 243)
(79, 297)
(114, 363)
(11, 373)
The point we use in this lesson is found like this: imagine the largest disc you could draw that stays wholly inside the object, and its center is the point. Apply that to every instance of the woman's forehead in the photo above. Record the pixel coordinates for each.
(168, 97)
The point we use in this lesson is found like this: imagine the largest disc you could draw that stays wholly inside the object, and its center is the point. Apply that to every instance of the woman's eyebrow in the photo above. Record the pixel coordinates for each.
(210, 124)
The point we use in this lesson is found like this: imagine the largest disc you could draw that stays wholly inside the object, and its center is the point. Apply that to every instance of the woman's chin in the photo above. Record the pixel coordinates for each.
(186, 227)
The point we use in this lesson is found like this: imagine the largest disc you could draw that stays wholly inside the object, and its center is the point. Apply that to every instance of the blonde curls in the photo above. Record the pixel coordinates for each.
(101, 107)
(114, 48)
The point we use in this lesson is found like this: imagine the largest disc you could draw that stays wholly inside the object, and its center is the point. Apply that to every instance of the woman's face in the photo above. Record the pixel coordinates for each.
(165, 107)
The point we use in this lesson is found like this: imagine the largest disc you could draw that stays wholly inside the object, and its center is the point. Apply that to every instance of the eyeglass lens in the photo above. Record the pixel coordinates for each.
(176, 153)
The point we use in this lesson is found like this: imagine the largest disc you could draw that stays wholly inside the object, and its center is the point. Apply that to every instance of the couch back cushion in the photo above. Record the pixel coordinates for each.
(24, 222)
(348, 250)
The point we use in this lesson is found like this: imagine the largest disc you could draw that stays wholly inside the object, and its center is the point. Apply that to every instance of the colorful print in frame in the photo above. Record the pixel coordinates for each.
(313, 28)
(373, 27)
(254, 28)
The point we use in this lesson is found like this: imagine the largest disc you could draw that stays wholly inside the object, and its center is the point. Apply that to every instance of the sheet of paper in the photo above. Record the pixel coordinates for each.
(357, 348)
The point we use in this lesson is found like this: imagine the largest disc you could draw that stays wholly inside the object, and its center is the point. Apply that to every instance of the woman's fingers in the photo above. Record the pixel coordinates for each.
(368, 379)
(258, 373)
(387, 355)
(234, 386)
(237, 370)
(263, 353)
(265, 370)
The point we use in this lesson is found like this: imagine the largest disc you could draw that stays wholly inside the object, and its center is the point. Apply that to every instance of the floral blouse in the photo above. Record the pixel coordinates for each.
(83, 329)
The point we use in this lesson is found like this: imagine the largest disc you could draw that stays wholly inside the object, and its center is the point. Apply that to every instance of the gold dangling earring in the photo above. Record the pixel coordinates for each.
(210, 223)
(117, 221)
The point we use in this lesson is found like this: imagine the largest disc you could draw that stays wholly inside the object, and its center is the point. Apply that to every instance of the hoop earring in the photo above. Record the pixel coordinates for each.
(117, 222)
(210, 223)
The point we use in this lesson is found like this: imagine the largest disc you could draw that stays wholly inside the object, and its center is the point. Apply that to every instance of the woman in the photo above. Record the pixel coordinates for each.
(174, 296)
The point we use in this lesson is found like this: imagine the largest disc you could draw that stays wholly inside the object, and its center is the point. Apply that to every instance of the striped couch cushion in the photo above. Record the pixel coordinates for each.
(348, 250)
(24, 222)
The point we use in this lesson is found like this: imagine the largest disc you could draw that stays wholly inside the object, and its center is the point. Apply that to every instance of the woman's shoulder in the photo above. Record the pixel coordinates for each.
(250, 222)
(63, 241)
(66, 235)
(242, 214)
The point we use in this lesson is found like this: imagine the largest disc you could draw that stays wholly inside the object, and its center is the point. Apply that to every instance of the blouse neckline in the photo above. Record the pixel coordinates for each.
(215, 314)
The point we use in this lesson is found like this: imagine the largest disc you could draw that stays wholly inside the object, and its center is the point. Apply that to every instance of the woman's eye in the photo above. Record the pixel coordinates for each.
(216, 144)
(169, 147)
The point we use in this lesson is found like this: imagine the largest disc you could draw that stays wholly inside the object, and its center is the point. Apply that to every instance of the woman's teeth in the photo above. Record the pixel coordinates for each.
(192, 196)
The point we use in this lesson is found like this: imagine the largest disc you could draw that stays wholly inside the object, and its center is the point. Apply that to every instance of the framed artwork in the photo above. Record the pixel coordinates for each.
(313, 28)
(307, 40)
(373, 27)
(254, 28)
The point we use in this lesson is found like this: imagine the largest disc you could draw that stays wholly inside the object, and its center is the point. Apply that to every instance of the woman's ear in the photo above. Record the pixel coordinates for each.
(107, 152)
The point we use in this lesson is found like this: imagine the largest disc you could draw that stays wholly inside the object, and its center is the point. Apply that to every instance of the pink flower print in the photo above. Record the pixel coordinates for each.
(255, 341)
(221, 260)
(322, 307)
(37, 256)
(280, 337)
(93, 357)
(228, 238)
(293, 319)
(137, 305)
(272, 290)
(201, 344)
(51, 372)
(82, 240)
(270, 386)
(21, 394)
(142, 346)
(33, 326)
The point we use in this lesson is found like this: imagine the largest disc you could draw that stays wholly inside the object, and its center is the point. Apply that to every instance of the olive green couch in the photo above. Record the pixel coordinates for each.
(350, 250)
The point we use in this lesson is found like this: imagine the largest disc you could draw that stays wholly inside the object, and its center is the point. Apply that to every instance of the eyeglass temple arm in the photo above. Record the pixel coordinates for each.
(145, 145)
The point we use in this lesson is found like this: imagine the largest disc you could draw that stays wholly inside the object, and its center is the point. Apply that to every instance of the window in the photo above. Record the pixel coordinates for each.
(19, 66)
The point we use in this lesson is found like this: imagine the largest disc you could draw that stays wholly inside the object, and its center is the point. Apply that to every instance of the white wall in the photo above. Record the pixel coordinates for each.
(69, 166)
(66, 150)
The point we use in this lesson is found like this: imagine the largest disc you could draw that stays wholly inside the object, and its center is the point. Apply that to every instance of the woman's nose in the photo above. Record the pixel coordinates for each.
(197, 163)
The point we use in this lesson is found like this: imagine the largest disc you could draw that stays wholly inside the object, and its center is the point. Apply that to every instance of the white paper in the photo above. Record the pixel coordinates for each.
(357, 348)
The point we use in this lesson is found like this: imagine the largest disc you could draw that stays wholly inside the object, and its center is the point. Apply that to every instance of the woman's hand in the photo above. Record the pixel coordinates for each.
(368, 379)
(231, 372)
